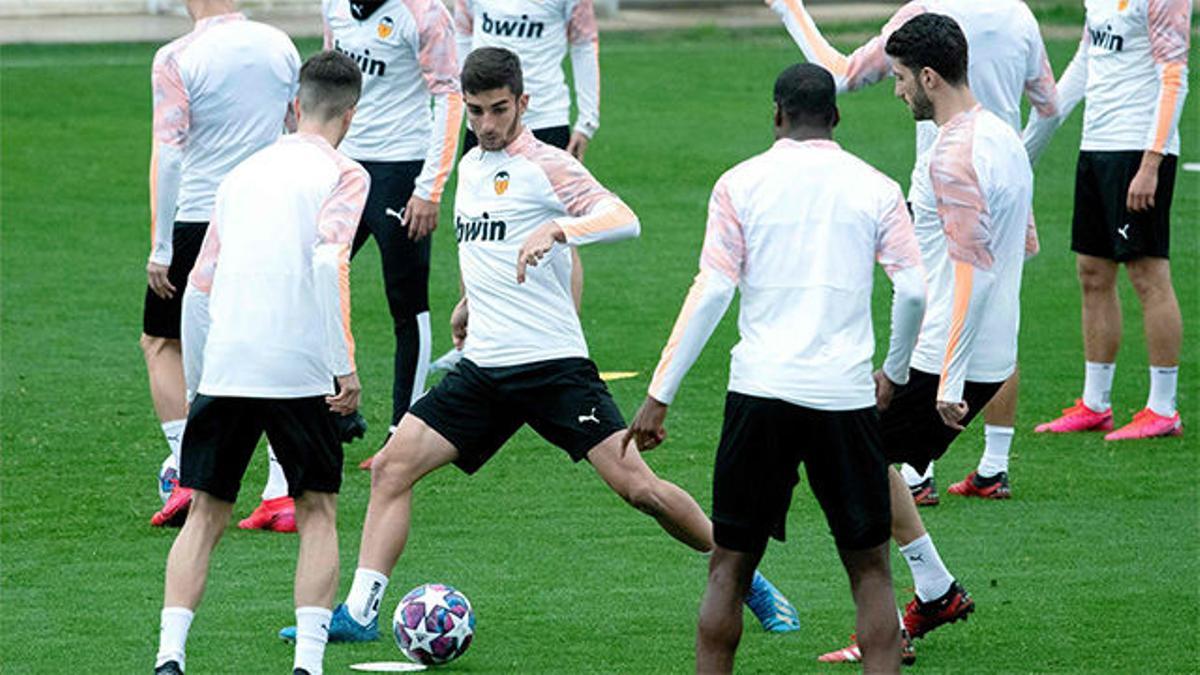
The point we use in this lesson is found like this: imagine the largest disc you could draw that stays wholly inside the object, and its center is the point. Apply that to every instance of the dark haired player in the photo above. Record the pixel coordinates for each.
(520, 206)
(279, 239)
(1003, 64)
(797, 230)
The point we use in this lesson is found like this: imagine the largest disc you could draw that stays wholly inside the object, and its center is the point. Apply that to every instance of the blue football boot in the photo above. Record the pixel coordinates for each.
(342, 628)
(772, 610)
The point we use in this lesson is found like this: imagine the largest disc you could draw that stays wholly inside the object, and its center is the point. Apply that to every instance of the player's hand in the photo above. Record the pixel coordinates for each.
(884, 389)
(952, 413)
(1142, 189)
(536, 246)
(646, 430)
(420, 217)
(458, 324)
(156, 277)
(577, 146)
(345, 402)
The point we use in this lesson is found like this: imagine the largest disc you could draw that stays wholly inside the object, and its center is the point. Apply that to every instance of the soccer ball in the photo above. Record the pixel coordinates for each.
(168, 476)
(433, 624)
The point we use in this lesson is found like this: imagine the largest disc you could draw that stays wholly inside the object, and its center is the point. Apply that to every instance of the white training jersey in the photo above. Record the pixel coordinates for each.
(274, 275)
(502, 197)
(797, 231)
(1006, 55)
(971, 200)
(221, 93)
(540, 32)
(1132, 69)
(406, 51)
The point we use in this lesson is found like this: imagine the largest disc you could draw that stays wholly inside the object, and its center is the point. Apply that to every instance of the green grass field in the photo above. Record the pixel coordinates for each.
(1094, 566)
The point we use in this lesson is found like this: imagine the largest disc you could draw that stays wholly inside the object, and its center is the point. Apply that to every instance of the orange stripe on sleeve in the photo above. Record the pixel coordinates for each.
(830, 59)
(681, 324)
(963, 279)
(1172, 82)
(153, 192)
(454, 113)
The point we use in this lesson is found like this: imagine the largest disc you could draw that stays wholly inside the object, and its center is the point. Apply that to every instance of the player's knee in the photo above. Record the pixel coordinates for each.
(393, 470)
(1096, 277)
(1149, 278)
(151, 345)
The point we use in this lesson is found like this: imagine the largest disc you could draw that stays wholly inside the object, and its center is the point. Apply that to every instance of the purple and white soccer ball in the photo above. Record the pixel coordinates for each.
(433, 624)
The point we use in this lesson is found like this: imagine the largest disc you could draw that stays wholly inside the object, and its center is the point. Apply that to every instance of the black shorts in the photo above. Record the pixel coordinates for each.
(478, 409)
(763, 442)
(913, 431)
(1102, 226)
(222, 433)
(559, 137)
(161, 318)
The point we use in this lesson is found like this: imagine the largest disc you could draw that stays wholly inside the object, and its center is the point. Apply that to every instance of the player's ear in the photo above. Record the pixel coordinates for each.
(837, 117)
(522, 104)
(778, 116)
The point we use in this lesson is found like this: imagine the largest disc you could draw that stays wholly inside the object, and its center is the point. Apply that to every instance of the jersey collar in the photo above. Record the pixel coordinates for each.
(209, 21)
(810, 143)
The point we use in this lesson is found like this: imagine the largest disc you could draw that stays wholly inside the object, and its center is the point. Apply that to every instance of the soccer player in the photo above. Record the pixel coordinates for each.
(797, 231)
(1131, 67)
(221, 92)
(405, 50)
(520, 205)
(972, 196)
(1003, 64)
(269, 300)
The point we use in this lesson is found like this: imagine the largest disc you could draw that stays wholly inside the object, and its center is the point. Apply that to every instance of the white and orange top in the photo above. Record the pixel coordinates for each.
(267, 307)
(406, 52)
(1006, 55)
(971, 199)
(502, 198)
(1131, 66)
(539, 32)
(221, 92)
(797, 231)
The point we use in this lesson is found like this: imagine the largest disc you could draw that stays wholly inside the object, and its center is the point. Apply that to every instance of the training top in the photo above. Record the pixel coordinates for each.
(221, 92)
(797, 231)
(502, 197)
(267, 307)
(406, 51)
(971, 200)
(1132, 67)
(1006, 55)
(539, 32)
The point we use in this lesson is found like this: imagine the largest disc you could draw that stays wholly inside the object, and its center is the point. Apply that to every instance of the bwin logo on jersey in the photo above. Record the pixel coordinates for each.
(522, 28)
(366, 64)
(500, 182)
(482, 229)
(1106, 39)
(385, 27)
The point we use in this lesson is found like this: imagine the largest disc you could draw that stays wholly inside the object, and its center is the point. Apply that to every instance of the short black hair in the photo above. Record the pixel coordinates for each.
(489, 68)
(806, 95)
(330, 83)
(931, 41)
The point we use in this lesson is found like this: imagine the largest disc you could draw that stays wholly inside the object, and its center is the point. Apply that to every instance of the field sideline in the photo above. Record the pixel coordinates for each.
(1094, 566)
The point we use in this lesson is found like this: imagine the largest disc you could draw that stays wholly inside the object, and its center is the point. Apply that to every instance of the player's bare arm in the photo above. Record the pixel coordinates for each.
(458, 323)
(1144, 183)
(578, 144)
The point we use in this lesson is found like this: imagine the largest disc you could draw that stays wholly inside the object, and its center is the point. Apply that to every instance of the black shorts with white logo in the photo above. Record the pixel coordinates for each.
(222, 433)
(1102, 226)
(559, 137)
(478, 409)
(913, 431)
(161, 317)
(763, 443)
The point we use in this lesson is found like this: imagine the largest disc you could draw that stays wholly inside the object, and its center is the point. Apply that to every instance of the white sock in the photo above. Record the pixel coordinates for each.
(277, 485)
(912, 478)
(173, 430)
(172, 635)
(1097, 385)
(365, 595)
(931, 577)
(1163, 380)
(997, 442)
(312, 632)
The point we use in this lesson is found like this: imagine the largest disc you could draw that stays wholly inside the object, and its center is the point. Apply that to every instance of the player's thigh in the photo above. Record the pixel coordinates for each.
(161, 316)
(413, 451)
(755, 472)
(220, 438)
(566, 403)
(306, 443)
(848, 474)
(467, 411)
